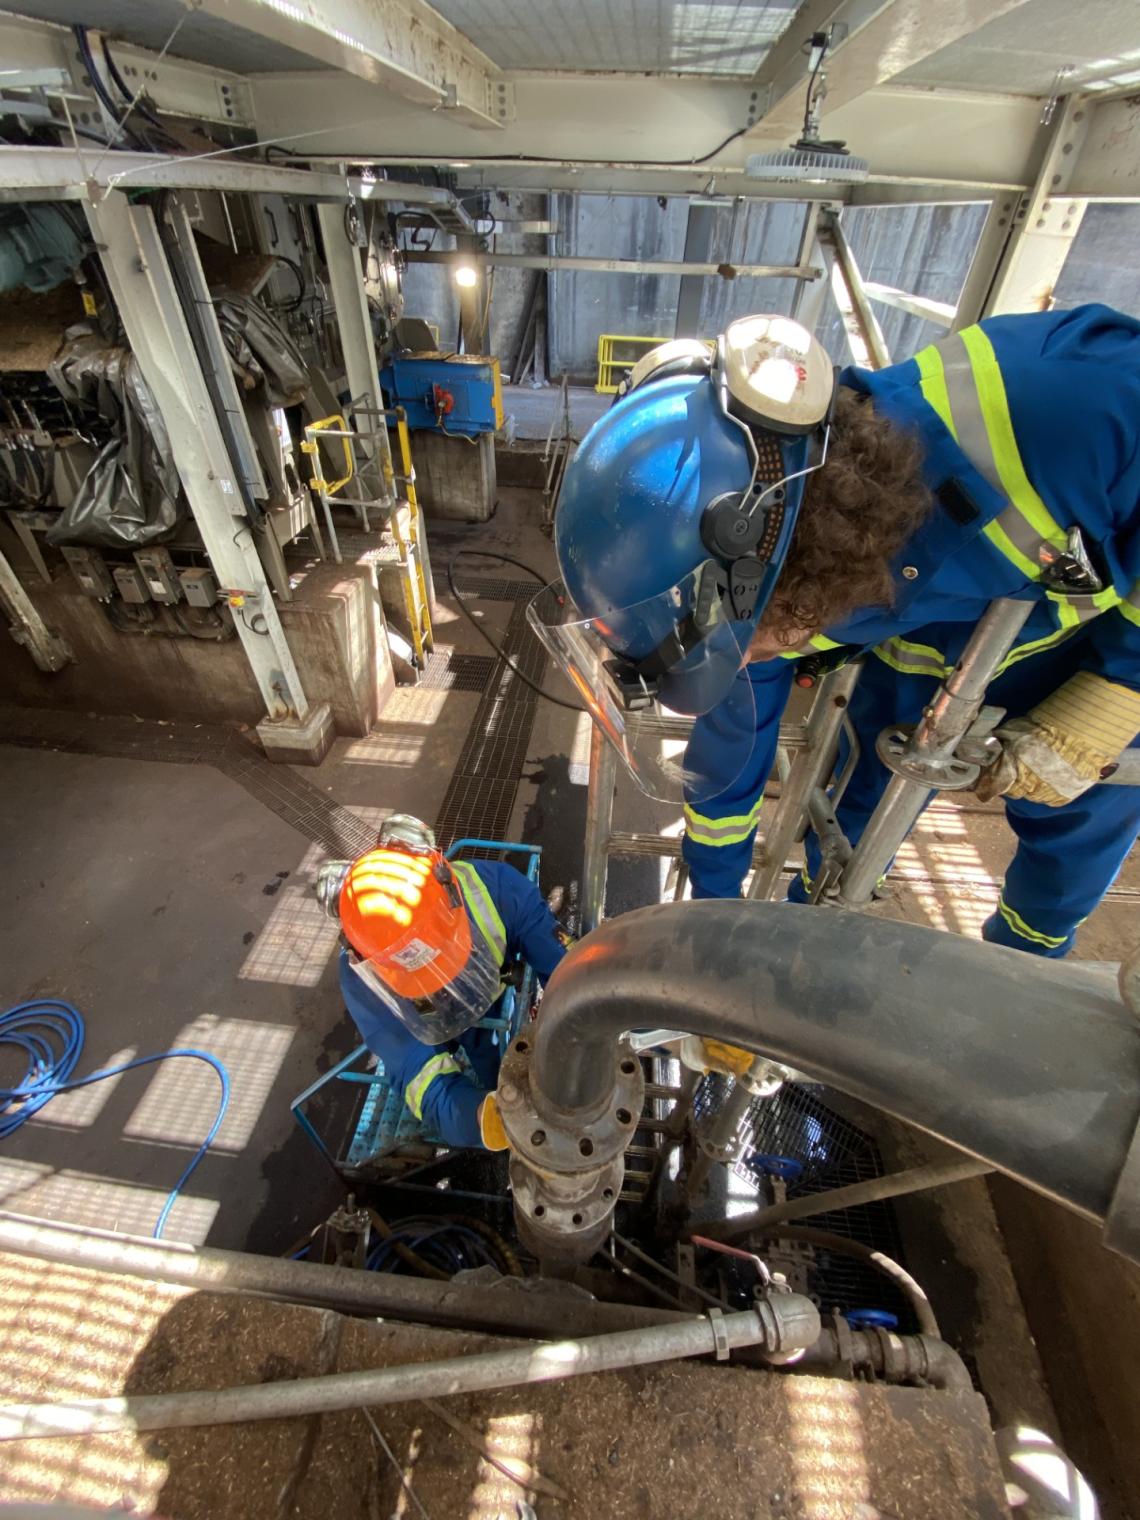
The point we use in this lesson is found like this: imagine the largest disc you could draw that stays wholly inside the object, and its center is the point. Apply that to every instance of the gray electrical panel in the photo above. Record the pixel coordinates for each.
(160, 573)
(90, 569)
(131, 583)
(200, 587)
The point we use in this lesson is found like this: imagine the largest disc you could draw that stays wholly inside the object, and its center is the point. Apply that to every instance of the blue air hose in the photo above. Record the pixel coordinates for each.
(50, 1033)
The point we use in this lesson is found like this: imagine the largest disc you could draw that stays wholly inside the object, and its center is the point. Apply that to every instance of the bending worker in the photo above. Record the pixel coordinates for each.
(426, 941)
(732, 517)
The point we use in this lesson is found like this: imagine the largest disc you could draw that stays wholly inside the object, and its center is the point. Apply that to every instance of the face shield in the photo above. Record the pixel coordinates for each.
(411, 943)
(637, 666)
(648, 729)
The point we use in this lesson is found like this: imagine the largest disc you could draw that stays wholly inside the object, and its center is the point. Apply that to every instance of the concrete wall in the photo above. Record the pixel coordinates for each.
(334, 626)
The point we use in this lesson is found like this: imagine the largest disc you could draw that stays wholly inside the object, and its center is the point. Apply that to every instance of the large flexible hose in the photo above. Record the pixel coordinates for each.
(1031, 1065)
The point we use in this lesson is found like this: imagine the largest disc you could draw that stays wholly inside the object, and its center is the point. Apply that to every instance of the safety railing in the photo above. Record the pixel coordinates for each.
(617, 352)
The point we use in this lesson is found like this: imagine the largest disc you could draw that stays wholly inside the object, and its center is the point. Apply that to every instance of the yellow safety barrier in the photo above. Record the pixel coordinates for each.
(611, 363)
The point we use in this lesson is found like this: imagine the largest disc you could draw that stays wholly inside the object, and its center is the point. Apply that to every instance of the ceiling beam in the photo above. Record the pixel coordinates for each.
(884, 38)
(404, 45)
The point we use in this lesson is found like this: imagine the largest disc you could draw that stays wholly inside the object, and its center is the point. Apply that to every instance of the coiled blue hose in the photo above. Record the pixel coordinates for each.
(50, 1033)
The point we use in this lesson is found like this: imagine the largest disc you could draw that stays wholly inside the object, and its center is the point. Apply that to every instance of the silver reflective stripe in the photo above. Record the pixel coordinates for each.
(911, 658)
(482, 908)
(965, 385)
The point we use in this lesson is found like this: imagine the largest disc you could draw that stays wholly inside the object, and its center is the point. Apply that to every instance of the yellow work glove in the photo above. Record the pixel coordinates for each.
(491, 1130)
(1065, 744)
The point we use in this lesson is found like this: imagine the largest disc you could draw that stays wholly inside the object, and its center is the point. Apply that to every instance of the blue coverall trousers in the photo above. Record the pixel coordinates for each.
(1066, 858)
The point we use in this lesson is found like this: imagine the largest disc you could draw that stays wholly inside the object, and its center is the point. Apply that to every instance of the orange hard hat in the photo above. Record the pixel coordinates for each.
(402, 912)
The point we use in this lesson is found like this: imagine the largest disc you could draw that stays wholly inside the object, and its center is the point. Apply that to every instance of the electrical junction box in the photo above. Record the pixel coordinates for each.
(161, 575)
(131, 583)
(199, 586)
(445, 393)
(90, 569)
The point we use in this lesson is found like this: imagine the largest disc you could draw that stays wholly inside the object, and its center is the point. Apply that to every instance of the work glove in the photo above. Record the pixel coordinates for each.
(1065, 744)
(491, 1130)
(700, 1054)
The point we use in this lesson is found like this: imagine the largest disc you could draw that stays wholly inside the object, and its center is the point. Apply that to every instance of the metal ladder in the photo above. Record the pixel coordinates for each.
(407, 548)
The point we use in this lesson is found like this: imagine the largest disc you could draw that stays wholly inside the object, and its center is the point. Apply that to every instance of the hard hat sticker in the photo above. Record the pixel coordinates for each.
(415, 955)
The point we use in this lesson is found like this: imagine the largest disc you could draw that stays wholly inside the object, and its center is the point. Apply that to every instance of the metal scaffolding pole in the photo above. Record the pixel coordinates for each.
(599, 823)
(142, 284)
(929, 754)
(27, 627)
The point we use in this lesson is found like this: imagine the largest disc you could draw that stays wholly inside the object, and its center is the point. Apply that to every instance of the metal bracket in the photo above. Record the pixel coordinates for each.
(946, 773)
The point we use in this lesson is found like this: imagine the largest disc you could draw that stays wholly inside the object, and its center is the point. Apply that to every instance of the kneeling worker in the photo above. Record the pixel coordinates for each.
(425, 941)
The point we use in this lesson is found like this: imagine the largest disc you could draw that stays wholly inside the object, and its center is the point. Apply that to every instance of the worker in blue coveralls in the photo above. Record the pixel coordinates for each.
(739, 518)
(426, 944)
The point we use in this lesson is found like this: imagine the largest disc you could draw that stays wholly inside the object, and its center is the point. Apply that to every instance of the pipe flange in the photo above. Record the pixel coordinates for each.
(564, 1218)
(570, 1144)
(946, 773)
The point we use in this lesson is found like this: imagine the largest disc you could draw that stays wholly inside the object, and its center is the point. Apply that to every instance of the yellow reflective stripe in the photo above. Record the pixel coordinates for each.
(1005, 545)
(912, 659)
(482, 907)
(733, 829)
(1072, 611)
(821, 642)
(1035, 646)
(933, 385)
(1020, 927)
(999, 426)
(416, 1090)
(1130, 610)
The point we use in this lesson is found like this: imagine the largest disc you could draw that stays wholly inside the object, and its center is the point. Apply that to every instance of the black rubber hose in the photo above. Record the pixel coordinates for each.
(826, 1240)
(1032, 1065)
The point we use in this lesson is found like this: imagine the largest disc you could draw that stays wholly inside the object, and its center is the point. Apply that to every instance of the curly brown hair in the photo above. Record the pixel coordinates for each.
(858, 511)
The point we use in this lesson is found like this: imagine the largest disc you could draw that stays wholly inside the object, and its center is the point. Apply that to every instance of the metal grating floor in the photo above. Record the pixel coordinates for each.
(481, 797)
(448, 670)
(798, 1124)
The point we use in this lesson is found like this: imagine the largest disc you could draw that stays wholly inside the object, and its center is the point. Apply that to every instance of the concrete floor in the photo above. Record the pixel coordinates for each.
(173, 907)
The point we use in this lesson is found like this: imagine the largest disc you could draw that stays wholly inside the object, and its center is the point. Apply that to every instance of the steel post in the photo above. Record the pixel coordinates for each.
(810, 771)
(27, 627)
(951, 712)
(342, 259)
(142, 284)
(599, 821)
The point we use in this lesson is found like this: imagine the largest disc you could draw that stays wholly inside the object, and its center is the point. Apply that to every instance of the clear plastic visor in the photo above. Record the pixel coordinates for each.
(444, 1013)
(651, 737)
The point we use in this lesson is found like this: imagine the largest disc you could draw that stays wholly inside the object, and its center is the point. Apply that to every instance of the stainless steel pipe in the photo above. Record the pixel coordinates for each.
(784, 1324)
(1032, 1066)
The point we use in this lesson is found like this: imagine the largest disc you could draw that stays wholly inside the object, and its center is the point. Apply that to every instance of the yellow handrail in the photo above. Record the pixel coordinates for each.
(316, 483)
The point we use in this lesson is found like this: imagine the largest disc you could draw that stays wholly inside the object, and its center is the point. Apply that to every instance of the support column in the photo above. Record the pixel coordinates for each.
(698, 250)
(142, 284)
(27, 627)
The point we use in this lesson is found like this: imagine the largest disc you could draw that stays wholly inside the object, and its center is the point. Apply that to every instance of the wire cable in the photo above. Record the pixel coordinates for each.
(50, 1033)
(505, 559)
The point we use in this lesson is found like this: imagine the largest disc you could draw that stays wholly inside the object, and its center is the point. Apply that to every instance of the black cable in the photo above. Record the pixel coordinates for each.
(124, 89)
(506, 559)
(85, 53)
(542, 158)
(299, 276)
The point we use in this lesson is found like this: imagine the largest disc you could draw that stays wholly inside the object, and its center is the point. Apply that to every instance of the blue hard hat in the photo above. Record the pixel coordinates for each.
(677, 511)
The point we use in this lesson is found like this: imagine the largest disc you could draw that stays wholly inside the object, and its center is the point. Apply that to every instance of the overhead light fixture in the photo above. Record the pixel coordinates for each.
(812, 160)
(465, 276)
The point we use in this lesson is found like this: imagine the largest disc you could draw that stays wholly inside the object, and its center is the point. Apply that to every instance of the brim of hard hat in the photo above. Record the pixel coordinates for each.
(652, 740)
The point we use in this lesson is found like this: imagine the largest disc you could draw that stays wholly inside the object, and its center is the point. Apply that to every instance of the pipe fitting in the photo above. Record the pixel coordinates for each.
(567, 1167)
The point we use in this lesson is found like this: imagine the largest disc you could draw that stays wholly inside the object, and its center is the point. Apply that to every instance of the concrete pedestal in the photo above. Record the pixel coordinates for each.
(294, 741)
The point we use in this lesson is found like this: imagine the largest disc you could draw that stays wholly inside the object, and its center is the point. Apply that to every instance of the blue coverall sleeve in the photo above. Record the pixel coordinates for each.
(532, 930)
(719, 831)
(447, 1102)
